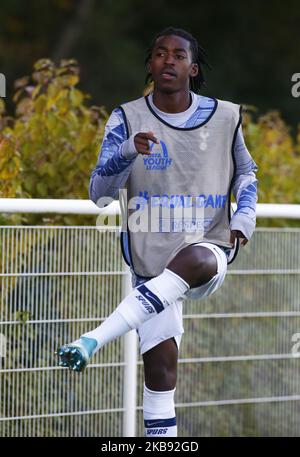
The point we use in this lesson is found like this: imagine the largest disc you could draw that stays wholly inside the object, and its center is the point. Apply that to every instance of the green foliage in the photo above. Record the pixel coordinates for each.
(49, 149)
(277, 154)
(22, 316)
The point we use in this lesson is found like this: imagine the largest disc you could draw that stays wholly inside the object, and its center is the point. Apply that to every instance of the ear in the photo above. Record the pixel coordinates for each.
(149, 65)
(194, 70)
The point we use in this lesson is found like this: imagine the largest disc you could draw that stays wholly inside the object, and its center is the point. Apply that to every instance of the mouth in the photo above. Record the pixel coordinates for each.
(168, 74)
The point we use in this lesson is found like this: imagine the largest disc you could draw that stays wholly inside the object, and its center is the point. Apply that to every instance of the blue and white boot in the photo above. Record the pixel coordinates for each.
(76, 355)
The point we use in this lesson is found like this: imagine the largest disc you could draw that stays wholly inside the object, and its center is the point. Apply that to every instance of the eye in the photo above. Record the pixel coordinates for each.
(180, 56)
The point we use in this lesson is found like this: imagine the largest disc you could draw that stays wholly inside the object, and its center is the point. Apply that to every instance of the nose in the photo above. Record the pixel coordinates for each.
(169, 60)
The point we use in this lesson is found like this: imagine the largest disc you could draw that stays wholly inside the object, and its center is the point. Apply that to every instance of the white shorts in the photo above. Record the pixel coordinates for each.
(169, 324)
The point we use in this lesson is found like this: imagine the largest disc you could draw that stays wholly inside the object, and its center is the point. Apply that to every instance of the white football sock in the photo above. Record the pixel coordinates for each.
(152, 297)
(159, 413)
(114, 326)
(143, 303)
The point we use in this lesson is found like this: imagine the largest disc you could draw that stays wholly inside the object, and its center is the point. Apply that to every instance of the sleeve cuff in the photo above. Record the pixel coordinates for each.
(128, 150)
(243, 223)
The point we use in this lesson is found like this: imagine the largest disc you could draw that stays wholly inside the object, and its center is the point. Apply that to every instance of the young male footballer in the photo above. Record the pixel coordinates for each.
(179, 155)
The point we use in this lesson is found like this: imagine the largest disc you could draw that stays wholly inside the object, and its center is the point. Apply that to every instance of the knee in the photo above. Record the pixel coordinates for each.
(204, 259)
(195, 264)
(160, 377)
(205, 269)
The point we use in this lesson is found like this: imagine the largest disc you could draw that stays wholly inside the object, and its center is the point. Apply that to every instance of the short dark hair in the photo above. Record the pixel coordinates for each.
(199, 56)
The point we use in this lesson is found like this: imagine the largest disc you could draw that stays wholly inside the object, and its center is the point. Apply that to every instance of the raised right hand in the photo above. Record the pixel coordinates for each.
(141, 141)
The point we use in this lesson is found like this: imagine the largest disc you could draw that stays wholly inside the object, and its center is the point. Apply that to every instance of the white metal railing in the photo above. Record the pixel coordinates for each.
(39, 205)
(54, 249)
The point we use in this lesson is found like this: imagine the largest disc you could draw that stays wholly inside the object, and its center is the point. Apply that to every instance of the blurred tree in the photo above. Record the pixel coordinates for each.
(50, 148)
(71, 32)
(277, 154)
(252, 46)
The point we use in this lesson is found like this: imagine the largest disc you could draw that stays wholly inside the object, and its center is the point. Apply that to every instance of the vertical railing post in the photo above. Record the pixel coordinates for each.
(130, 371)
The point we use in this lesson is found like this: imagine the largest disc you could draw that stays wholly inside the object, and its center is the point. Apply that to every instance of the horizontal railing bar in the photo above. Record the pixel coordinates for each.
(278, 229)
(100, 228)
(238, 401)
(237, 358)
(264, 272)
(79, 206)
(103, 273)
(41, 369)
(67, 273)
(76, 413)
(243, 315)
(105, 228)
(54, 321)
(186, 316)
(57, 206)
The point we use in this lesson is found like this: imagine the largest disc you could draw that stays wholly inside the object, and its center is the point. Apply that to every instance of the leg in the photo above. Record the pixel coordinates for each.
(160, 366)
(191, 268)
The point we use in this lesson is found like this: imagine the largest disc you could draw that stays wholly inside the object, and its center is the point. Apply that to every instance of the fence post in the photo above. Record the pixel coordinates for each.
(130, 370)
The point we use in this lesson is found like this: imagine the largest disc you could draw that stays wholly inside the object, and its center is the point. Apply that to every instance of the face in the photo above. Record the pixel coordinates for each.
(171, 64)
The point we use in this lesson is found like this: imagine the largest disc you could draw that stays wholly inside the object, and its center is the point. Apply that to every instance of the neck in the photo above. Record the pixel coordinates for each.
(172, 103)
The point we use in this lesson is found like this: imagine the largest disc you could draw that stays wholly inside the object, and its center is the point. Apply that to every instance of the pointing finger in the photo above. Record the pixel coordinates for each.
(149, 136)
